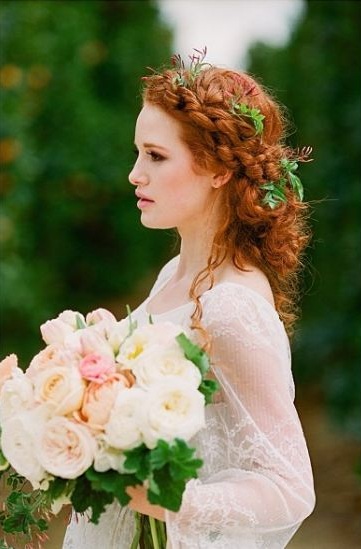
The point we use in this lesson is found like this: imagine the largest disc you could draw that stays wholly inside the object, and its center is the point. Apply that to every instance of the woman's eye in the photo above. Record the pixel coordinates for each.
(155, 156)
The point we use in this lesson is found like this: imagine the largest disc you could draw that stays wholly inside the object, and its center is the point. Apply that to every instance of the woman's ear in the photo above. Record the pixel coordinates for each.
(221, 179)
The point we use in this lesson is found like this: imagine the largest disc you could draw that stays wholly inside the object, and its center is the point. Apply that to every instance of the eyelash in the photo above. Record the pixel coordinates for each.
(155, 157)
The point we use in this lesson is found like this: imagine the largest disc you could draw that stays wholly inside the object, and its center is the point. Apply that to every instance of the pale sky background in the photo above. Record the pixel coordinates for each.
(229, 27)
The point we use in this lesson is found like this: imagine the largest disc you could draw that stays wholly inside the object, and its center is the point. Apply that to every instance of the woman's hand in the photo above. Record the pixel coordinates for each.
(140, 504)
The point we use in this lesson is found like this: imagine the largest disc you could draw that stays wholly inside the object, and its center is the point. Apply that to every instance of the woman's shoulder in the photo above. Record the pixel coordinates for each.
(235, 307)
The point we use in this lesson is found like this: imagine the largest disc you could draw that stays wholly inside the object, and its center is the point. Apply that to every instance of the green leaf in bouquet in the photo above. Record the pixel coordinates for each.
(208, 387)
(172, 465)
(83, 497)
(194, 353)
(58, 487)
(113, 483)
(137, 461)
(170, 491)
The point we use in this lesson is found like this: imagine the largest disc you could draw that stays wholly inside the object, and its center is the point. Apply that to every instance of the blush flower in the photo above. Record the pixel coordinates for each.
(96, 367)
(99, 400)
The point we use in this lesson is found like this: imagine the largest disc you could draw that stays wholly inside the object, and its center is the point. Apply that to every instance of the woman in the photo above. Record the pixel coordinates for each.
(211, 163)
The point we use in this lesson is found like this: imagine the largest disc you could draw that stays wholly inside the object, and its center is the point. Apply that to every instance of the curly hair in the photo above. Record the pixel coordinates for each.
(250, 233)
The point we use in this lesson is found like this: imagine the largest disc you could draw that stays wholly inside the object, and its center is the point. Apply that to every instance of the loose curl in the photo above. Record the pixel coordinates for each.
(250, 233)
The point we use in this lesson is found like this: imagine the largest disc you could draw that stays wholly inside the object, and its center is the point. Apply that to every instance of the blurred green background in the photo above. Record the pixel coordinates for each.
(69, 230)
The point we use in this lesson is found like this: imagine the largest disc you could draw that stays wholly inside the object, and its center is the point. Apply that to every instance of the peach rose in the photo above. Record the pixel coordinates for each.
(99, 399)
(7, 367)
(96, 367)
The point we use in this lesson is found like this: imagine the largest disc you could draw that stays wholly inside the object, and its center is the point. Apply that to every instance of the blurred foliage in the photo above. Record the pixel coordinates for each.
(317, 75)
(70, 92)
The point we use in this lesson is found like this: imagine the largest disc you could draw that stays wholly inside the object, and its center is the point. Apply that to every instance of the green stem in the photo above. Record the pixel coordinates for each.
(138, 527)
(153, 529)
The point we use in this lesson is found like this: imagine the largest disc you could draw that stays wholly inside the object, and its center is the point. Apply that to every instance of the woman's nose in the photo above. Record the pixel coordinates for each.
(137, 176)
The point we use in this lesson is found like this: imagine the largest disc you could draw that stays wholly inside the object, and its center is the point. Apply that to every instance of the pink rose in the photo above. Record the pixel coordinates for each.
(99, 400)
(7, 367)
(96, 367)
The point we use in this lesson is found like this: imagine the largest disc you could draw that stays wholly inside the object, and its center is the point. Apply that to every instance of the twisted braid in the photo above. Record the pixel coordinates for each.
(250, 233)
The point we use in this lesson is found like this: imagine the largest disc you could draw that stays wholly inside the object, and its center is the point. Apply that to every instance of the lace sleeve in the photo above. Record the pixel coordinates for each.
(260, 487)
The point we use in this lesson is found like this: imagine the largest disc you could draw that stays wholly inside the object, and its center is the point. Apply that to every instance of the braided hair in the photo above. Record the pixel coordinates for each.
(250, 232)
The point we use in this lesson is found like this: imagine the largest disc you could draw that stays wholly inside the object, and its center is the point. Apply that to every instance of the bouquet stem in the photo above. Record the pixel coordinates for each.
(149, 533)
(153, 529)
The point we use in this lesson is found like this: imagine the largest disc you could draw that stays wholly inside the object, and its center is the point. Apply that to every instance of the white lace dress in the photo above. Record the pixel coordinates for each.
(256, 485)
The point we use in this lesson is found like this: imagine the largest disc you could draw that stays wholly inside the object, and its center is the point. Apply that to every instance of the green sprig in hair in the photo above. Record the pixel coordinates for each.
(186, 77)
(276, 190)
(244, 111)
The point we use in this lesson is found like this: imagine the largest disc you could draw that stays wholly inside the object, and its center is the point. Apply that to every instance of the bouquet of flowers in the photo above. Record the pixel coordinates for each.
(105, 405)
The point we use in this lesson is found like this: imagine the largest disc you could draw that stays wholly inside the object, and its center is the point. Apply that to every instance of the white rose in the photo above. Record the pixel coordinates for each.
(174, 408)
(54, 332)
(16, 394)
(157, 363)
(107, 458)
(19, 444)
(118, 334)
(66, 449)
(146, 336)
(123, 430)
(59, 386)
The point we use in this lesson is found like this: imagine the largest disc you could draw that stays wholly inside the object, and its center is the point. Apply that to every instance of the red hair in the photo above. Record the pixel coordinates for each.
(250, 233)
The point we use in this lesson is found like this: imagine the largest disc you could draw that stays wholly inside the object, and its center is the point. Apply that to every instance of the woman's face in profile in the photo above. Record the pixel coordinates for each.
(170, 193)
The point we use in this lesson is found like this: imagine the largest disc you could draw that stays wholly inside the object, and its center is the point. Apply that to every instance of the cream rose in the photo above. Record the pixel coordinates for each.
(19, 445)
(99, 400)
(16, 394)
(54, 332)
(156, 363)
(174, 408)
(48, 358)
(7, 367)
(123, 430)
(61, 387)
(66, 448)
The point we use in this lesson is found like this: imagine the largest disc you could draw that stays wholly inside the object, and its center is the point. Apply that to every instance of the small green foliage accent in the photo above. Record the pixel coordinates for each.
(80, 324)
(276, 189)
(132, 323)
(200, 359)
(22, 510)
(186, 77)
(244, 111)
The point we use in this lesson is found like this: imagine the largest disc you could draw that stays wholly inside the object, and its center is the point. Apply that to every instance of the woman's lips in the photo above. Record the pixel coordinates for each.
(144, 202)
